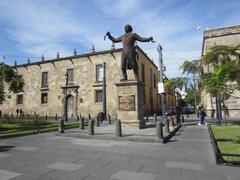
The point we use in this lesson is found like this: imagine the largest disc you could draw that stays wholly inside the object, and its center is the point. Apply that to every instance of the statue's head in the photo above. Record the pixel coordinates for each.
(128, 28)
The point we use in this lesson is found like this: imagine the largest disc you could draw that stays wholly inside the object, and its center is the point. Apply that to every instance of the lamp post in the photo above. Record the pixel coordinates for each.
(195, 92)
(65, 99)
(104, 97)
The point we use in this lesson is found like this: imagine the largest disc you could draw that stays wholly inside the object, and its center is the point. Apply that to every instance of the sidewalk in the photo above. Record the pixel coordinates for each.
(107, 132)
(189, 156)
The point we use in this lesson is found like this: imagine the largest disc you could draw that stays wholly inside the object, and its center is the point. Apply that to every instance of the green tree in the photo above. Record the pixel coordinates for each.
(190, 97)
(224, 77)
(194, 68)
(191, 67)
(180, 83)
(15, 81)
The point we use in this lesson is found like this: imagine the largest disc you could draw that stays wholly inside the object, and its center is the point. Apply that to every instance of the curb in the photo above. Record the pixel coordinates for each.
(123, 138)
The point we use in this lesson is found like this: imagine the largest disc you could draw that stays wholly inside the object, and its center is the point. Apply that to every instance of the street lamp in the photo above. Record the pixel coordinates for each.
(65, 99)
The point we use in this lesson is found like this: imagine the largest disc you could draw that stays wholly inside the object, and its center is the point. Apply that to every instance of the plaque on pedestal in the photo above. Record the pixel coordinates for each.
(130, 103)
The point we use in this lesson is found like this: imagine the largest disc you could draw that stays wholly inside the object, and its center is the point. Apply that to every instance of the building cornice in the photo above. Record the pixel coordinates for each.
(111, 51)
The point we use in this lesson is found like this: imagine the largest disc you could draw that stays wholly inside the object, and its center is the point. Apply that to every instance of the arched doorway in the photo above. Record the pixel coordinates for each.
(70, 106)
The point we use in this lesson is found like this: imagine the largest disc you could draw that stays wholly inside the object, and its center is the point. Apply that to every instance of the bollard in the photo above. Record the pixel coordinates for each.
(155, 118)
(166, 126)
(98, 121)
(82, 123)
(118, 128)
(61, 126)
(77, 117)
(90, 127)
(159, 130)
(147, 119)
(171, 122)
(56, 117)
(89, 116)
(109, 119)
(182, 119)
(46, 117)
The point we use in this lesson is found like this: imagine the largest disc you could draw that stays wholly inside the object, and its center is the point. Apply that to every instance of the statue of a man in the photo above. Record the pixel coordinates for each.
(128, 59)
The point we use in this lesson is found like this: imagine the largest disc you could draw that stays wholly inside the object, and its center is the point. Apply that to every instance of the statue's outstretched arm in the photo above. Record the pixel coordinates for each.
(113, 39)
(142, 39)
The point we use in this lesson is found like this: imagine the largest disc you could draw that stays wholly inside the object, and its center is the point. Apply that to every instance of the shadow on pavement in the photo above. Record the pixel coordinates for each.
(5, 148)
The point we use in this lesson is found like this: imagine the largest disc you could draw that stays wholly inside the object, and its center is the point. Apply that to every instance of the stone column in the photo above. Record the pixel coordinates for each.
(130, 103)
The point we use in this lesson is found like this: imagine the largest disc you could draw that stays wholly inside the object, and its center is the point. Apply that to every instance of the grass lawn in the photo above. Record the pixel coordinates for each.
(13, 130)
(228, 139)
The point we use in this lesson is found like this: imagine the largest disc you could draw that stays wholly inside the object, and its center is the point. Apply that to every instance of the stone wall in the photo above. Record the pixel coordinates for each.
(84, 84)
(222, 36)
(1, 82)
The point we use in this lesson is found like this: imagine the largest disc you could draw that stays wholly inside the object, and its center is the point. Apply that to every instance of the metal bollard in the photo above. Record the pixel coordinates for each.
(118, 128)
(109, 119)
(77, 117)
(90, 127)
(56, 117)
(182, 119)
(147, 119)
(166, 126)
(82, 123)
(159, 130)
(171, 122)
(61, 126)
(155, 118)
(98, 121)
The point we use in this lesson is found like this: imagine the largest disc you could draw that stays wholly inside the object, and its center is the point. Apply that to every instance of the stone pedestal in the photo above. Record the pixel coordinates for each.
(130, 103)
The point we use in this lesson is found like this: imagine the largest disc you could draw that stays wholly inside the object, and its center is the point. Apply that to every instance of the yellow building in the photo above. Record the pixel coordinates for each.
(45, 84)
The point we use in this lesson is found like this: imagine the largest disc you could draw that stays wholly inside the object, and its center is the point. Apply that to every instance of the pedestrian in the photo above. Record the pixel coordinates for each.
(202, 114)
(212, 113)
(21, 112)
(178, 114)
(17, 111)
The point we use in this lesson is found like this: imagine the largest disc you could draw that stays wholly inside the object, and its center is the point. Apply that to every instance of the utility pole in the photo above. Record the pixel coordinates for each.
(195, 94)
(161, 84)
(104, 97)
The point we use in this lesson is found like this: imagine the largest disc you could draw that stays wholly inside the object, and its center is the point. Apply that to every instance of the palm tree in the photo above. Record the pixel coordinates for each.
(193, 67)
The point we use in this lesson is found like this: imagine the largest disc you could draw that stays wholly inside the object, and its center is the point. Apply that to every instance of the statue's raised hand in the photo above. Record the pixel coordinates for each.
(151, 39)
(107, 35)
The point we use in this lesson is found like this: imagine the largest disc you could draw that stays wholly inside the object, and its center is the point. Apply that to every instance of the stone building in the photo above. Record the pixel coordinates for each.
(46, 84)
(1, 82)
(221, 36)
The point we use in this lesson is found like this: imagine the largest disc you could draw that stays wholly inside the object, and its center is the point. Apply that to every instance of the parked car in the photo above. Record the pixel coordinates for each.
(171, 112)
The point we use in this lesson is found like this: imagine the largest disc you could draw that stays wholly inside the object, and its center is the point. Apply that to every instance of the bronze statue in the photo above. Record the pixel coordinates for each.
(128, 59)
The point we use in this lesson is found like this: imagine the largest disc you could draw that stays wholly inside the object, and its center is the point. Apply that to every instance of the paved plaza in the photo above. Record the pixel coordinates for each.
(189, 155)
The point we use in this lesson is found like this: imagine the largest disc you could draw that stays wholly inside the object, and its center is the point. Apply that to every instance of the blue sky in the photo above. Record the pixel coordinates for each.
(30, 28)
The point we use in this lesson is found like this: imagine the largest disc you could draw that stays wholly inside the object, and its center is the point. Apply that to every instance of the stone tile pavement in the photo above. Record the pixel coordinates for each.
(189, 155)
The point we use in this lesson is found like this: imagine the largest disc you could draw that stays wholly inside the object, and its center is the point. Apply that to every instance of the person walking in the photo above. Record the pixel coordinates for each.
(202, 114)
